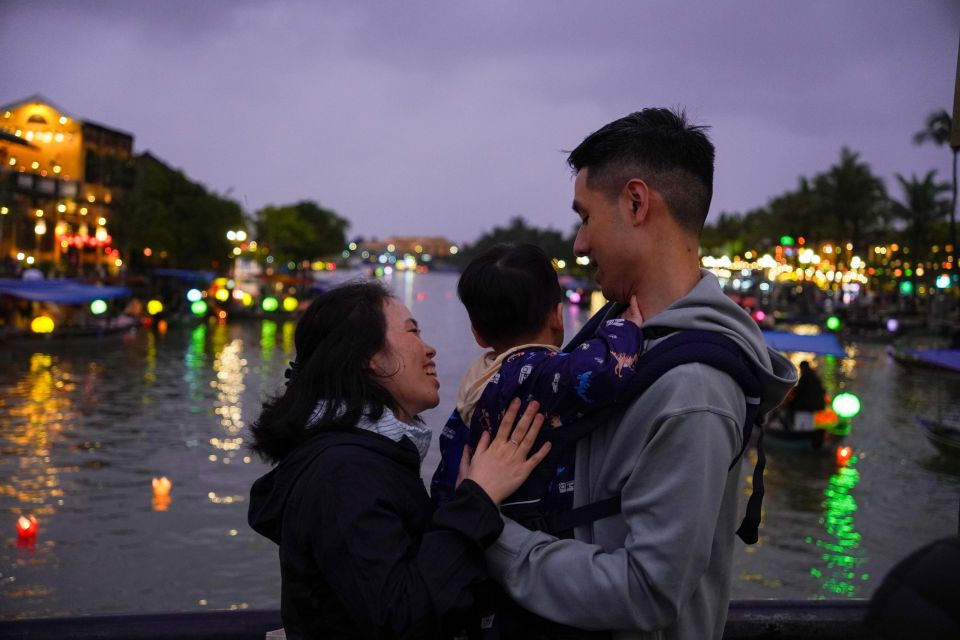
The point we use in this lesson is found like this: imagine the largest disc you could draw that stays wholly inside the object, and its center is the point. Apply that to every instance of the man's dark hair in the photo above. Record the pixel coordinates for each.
(509, 291)
(660, 147)
(336, 337)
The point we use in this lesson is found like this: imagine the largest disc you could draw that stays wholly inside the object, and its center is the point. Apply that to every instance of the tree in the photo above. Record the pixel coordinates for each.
(921, 209)
(553, 243)
(179, 220)
(938, 130)
(850, 199)
(301, 231)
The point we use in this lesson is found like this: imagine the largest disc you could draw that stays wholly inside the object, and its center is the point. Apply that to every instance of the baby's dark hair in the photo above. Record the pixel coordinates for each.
(509, 291)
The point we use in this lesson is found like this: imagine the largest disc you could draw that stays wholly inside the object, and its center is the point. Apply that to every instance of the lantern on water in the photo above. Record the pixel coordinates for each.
(843, 456)
(161, 487)
(247, 299)
(198, 308)
(270, 304)
(27, 529)
(97, 307)
(846, 405)
(193, 295)
(222, 295)
(154, 307)
(833, 323)
(290, 304)
(42, 324)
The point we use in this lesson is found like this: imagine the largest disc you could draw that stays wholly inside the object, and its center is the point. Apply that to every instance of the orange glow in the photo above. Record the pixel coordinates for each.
(843, 456)
(161, 487)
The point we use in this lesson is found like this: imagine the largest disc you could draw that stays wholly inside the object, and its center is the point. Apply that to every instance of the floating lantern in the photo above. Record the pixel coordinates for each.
(833, 323)
(222, 295)
(290, 304)
(247, 299)
(943, 281)
(843, 456)
(194, 295)
(154, 307)
(825, 419)
(27, 529)
(161, 493)
(270, 304)
(198, 308)
(42, 324)
(162, 327)
(161, 487)
(846, 405)
(893, 325)
(97, 307)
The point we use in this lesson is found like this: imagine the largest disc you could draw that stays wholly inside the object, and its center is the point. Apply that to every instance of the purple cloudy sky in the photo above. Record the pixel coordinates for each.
(449, 117)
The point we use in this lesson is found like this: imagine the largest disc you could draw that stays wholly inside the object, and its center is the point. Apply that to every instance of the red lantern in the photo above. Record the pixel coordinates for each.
(26, 530)
(843, 456)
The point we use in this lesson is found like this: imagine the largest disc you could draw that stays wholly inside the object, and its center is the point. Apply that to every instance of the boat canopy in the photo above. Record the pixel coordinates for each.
(945, 358)
(823, 344)
(59, 291)
(187, 275)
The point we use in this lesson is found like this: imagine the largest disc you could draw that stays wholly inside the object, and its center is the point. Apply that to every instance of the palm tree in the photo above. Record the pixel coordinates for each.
(850, 200)
(921, 209)
(939, 127)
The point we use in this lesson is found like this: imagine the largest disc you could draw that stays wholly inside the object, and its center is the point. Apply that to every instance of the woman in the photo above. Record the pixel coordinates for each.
(363, 554)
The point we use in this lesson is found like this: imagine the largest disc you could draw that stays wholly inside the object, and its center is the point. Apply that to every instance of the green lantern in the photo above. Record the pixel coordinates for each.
(97, 307)
(833, 323)
(198, 308)
(846, 405)
(786, 241)
(906, 287)
(270, 304)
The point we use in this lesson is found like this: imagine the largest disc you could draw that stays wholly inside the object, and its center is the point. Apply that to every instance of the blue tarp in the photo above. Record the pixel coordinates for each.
(946, 358)
(59, 291)
(823, 344)
(188, 275)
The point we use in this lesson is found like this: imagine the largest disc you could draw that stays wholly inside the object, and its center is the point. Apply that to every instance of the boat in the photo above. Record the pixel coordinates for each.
(945, 437)
(829, 427)
(35, 309)
(940, 360)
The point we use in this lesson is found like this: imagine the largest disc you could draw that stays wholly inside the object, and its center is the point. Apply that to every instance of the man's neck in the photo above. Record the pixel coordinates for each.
(660, 285)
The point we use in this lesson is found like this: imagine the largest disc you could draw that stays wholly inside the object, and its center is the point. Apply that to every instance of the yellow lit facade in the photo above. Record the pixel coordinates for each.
(59, 180)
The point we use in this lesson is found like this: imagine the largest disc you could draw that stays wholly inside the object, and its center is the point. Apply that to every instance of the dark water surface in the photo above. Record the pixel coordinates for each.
(85, 427)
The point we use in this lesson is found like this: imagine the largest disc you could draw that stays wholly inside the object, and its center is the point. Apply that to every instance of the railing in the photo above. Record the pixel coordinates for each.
(748, 620)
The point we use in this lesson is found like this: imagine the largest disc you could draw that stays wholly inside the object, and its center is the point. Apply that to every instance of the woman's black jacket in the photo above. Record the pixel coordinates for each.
(363, 552)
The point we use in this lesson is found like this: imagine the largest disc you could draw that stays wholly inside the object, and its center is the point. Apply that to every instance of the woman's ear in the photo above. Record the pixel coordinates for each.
(480, 341)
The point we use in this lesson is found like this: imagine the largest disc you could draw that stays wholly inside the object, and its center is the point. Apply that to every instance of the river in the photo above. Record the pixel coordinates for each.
(85, 427)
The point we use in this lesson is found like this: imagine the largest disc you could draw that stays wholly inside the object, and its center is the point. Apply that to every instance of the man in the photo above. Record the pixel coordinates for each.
(661, 567)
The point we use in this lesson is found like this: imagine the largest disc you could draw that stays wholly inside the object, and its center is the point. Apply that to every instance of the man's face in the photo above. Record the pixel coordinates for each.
(604, 237)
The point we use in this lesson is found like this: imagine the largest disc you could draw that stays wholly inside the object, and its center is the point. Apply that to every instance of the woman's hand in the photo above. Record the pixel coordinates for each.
(501, 466)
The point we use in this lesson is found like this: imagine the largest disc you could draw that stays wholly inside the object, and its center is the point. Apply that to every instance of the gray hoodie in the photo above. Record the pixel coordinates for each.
(661, 568)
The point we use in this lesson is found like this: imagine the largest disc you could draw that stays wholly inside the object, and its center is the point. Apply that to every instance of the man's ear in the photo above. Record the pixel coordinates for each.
(637, 193)
(480, 341)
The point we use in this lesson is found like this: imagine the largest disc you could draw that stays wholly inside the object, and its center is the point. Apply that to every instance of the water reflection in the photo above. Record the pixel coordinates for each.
(842, 553)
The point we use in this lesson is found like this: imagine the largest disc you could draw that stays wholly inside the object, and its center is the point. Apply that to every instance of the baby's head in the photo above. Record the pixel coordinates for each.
(512, 296)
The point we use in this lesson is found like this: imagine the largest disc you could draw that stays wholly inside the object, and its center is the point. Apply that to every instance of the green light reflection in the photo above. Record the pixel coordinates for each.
(841, 551)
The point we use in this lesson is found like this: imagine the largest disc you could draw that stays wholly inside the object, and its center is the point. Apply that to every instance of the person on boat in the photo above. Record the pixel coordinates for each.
(807, 398)
(661, 567)
(363, 551)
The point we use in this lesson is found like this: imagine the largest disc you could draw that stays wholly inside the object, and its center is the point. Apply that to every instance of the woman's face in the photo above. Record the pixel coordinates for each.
(405, 367)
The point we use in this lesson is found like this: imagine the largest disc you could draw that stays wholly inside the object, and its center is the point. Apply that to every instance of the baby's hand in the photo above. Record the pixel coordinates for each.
(632, 312)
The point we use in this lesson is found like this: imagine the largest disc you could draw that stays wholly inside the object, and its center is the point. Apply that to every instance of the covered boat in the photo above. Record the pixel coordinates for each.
(60, 308)
(935, 359)
(945, 437)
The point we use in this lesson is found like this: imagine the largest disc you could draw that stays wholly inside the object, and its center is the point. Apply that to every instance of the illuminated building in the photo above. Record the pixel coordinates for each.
(60, 178)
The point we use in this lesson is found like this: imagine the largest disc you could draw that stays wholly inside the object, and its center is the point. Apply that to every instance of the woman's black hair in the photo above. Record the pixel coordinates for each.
(336, 337)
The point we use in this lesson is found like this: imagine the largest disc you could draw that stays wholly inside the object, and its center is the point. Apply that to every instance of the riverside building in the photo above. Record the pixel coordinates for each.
(60, 180)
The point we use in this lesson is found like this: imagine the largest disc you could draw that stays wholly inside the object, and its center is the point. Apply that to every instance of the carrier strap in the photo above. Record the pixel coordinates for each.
(682, 347)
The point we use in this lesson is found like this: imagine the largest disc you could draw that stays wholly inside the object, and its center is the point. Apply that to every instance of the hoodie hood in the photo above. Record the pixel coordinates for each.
(707, 308)
(479, 373)
(270, 493)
